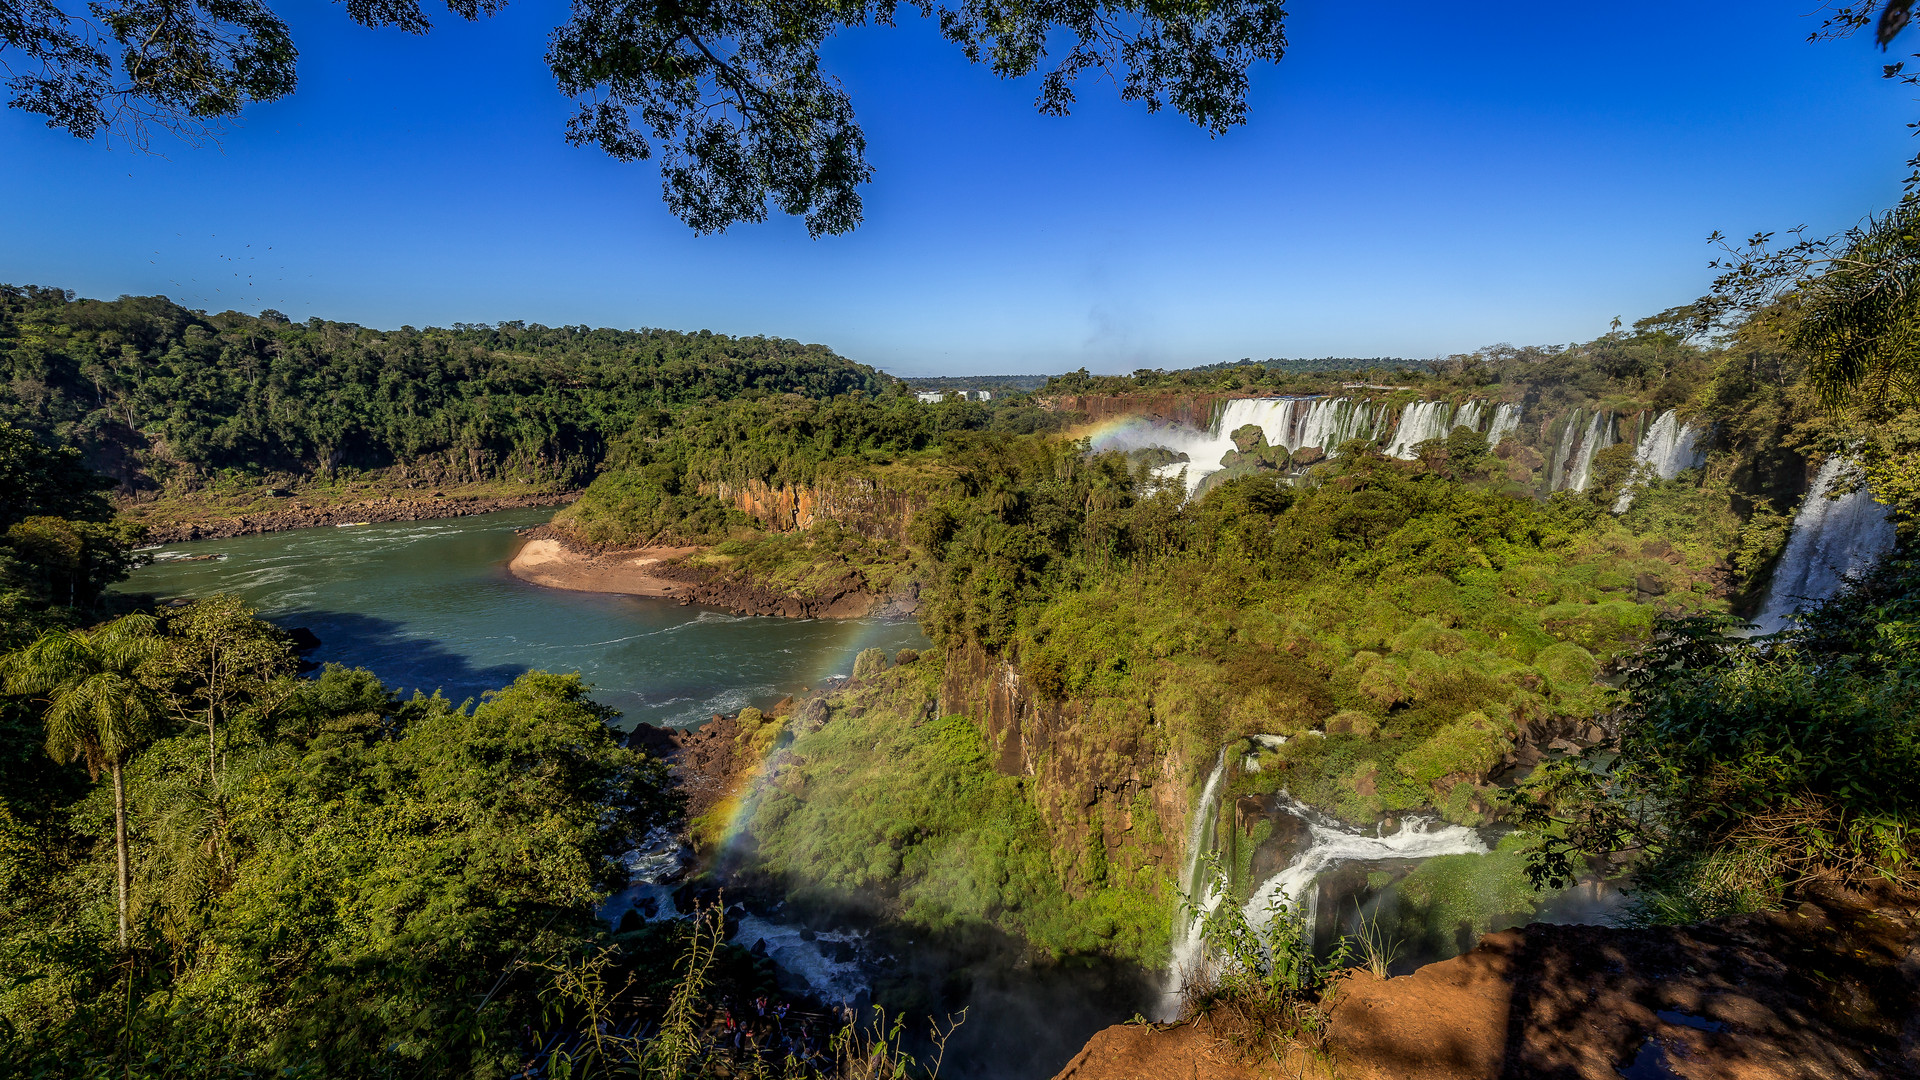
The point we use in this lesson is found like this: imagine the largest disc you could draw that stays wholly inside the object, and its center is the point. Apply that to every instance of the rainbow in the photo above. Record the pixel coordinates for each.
(721, 828)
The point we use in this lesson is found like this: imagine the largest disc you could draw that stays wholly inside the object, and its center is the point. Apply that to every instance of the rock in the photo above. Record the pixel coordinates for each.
(1564, 745)
(1308, 455)
(869, 663)
(1596, 733)
(1649, 584)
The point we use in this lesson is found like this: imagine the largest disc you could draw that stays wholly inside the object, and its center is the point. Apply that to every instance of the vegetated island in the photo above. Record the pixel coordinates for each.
(1195, 636)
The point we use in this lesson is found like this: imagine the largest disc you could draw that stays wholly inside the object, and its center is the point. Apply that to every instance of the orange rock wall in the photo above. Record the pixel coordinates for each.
(865, 506)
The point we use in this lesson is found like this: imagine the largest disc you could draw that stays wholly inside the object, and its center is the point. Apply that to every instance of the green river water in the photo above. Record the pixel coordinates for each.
(429, 605)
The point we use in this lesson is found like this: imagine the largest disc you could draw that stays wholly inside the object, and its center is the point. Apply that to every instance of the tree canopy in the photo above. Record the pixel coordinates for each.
(730, 96)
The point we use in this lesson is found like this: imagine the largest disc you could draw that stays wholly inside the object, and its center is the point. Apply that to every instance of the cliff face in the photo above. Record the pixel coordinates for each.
(1194, 410)
(858, 503)
(880, 505)
(1108, 794)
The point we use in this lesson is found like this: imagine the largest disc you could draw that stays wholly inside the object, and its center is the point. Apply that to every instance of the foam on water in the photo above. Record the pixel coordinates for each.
(1332, 844)
(836, 982)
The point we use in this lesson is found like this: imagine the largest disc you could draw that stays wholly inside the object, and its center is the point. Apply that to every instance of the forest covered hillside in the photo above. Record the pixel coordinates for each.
(162, 398)
(1439, 590)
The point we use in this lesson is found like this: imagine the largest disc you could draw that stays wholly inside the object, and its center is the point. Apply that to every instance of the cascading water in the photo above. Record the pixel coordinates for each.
(1288, 422)
(1329, 846)
(1187, 944)
(1505, 419)
(1831, 539)
(1470, 416)
(1332, 845)
(1599, 434)
(1293, 423)
(1667, 449)
(1419, 422)
(1563, 451)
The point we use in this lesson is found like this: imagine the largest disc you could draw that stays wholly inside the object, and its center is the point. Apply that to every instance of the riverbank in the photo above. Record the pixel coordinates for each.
(693, 575)
(218, 514)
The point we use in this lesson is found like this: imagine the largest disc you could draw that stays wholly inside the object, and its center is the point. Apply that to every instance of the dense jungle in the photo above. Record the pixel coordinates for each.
(1507, 594)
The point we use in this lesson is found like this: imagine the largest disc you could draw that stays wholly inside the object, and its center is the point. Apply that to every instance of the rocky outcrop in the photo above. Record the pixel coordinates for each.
(864, 505)
(845, 598)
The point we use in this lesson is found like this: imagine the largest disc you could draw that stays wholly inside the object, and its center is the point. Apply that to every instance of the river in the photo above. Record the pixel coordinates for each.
(429, 605)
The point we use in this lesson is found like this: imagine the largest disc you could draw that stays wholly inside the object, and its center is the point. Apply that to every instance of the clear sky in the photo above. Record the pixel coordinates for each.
(1415, 179)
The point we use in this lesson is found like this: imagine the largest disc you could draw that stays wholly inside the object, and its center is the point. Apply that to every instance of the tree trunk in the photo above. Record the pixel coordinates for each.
(124, 877)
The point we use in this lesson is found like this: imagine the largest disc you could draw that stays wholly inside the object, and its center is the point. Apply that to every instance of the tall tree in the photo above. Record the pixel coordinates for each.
(97, 709)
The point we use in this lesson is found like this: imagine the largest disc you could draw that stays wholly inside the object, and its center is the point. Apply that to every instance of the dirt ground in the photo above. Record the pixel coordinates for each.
(1828, 990)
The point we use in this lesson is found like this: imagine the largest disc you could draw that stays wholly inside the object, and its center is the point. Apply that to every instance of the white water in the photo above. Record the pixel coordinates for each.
(1419, 422)
(1580, 469)
(1293, 423)
(836, 982)
(653, 868)
(1187, 944)
(1831, 539)
(1329, 846)
(1666, 450)
(1333, 844)
(1505, 419)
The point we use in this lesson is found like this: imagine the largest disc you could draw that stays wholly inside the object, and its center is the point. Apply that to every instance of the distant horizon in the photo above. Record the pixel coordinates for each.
(1411, 181)
(927, 377)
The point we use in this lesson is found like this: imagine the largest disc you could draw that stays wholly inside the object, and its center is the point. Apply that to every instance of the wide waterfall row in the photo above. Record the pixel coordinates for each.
(1322, 423)
(1832, 539)
(1297, 422)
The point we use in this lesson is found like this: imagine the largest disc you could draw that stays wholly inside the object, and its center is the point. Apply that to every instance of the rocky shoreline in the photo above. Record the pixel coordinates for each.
(372, 511)
(551, 558)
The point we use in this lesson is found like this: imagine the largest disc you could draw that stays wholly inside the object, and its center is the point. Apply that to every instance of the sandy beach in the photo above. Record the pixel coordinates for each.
(546, 561)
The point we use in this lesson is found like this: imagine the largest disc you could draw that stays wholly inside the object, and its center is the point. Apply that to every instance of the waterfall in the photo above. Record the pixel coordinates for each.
(1288, 422)
(1563, 451)
(1331, 421)
(1332, 844)
(1831, 539)
(1470, 415)
(1505, 419)
(1666, 450)
(1580, 469)
(1419, 422)
(1187, 944)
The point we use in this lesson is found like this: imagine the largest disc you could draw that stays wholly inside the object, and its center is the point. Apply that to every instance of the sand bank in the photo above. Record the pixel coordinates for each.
(546, 561)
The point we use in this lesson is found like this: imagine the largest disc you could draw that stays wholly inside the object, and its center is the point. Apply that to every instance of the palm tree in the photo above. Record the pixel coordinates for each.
(97, 710)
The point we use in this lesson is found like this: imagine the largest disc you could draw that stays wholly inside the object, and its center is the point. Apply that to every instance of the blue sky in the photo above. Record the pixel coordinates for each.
(1415, 179)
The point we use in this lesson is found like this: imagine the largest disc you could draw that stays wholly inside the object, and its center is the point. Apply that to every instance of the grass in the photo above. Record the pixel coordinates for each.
(887, 802)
